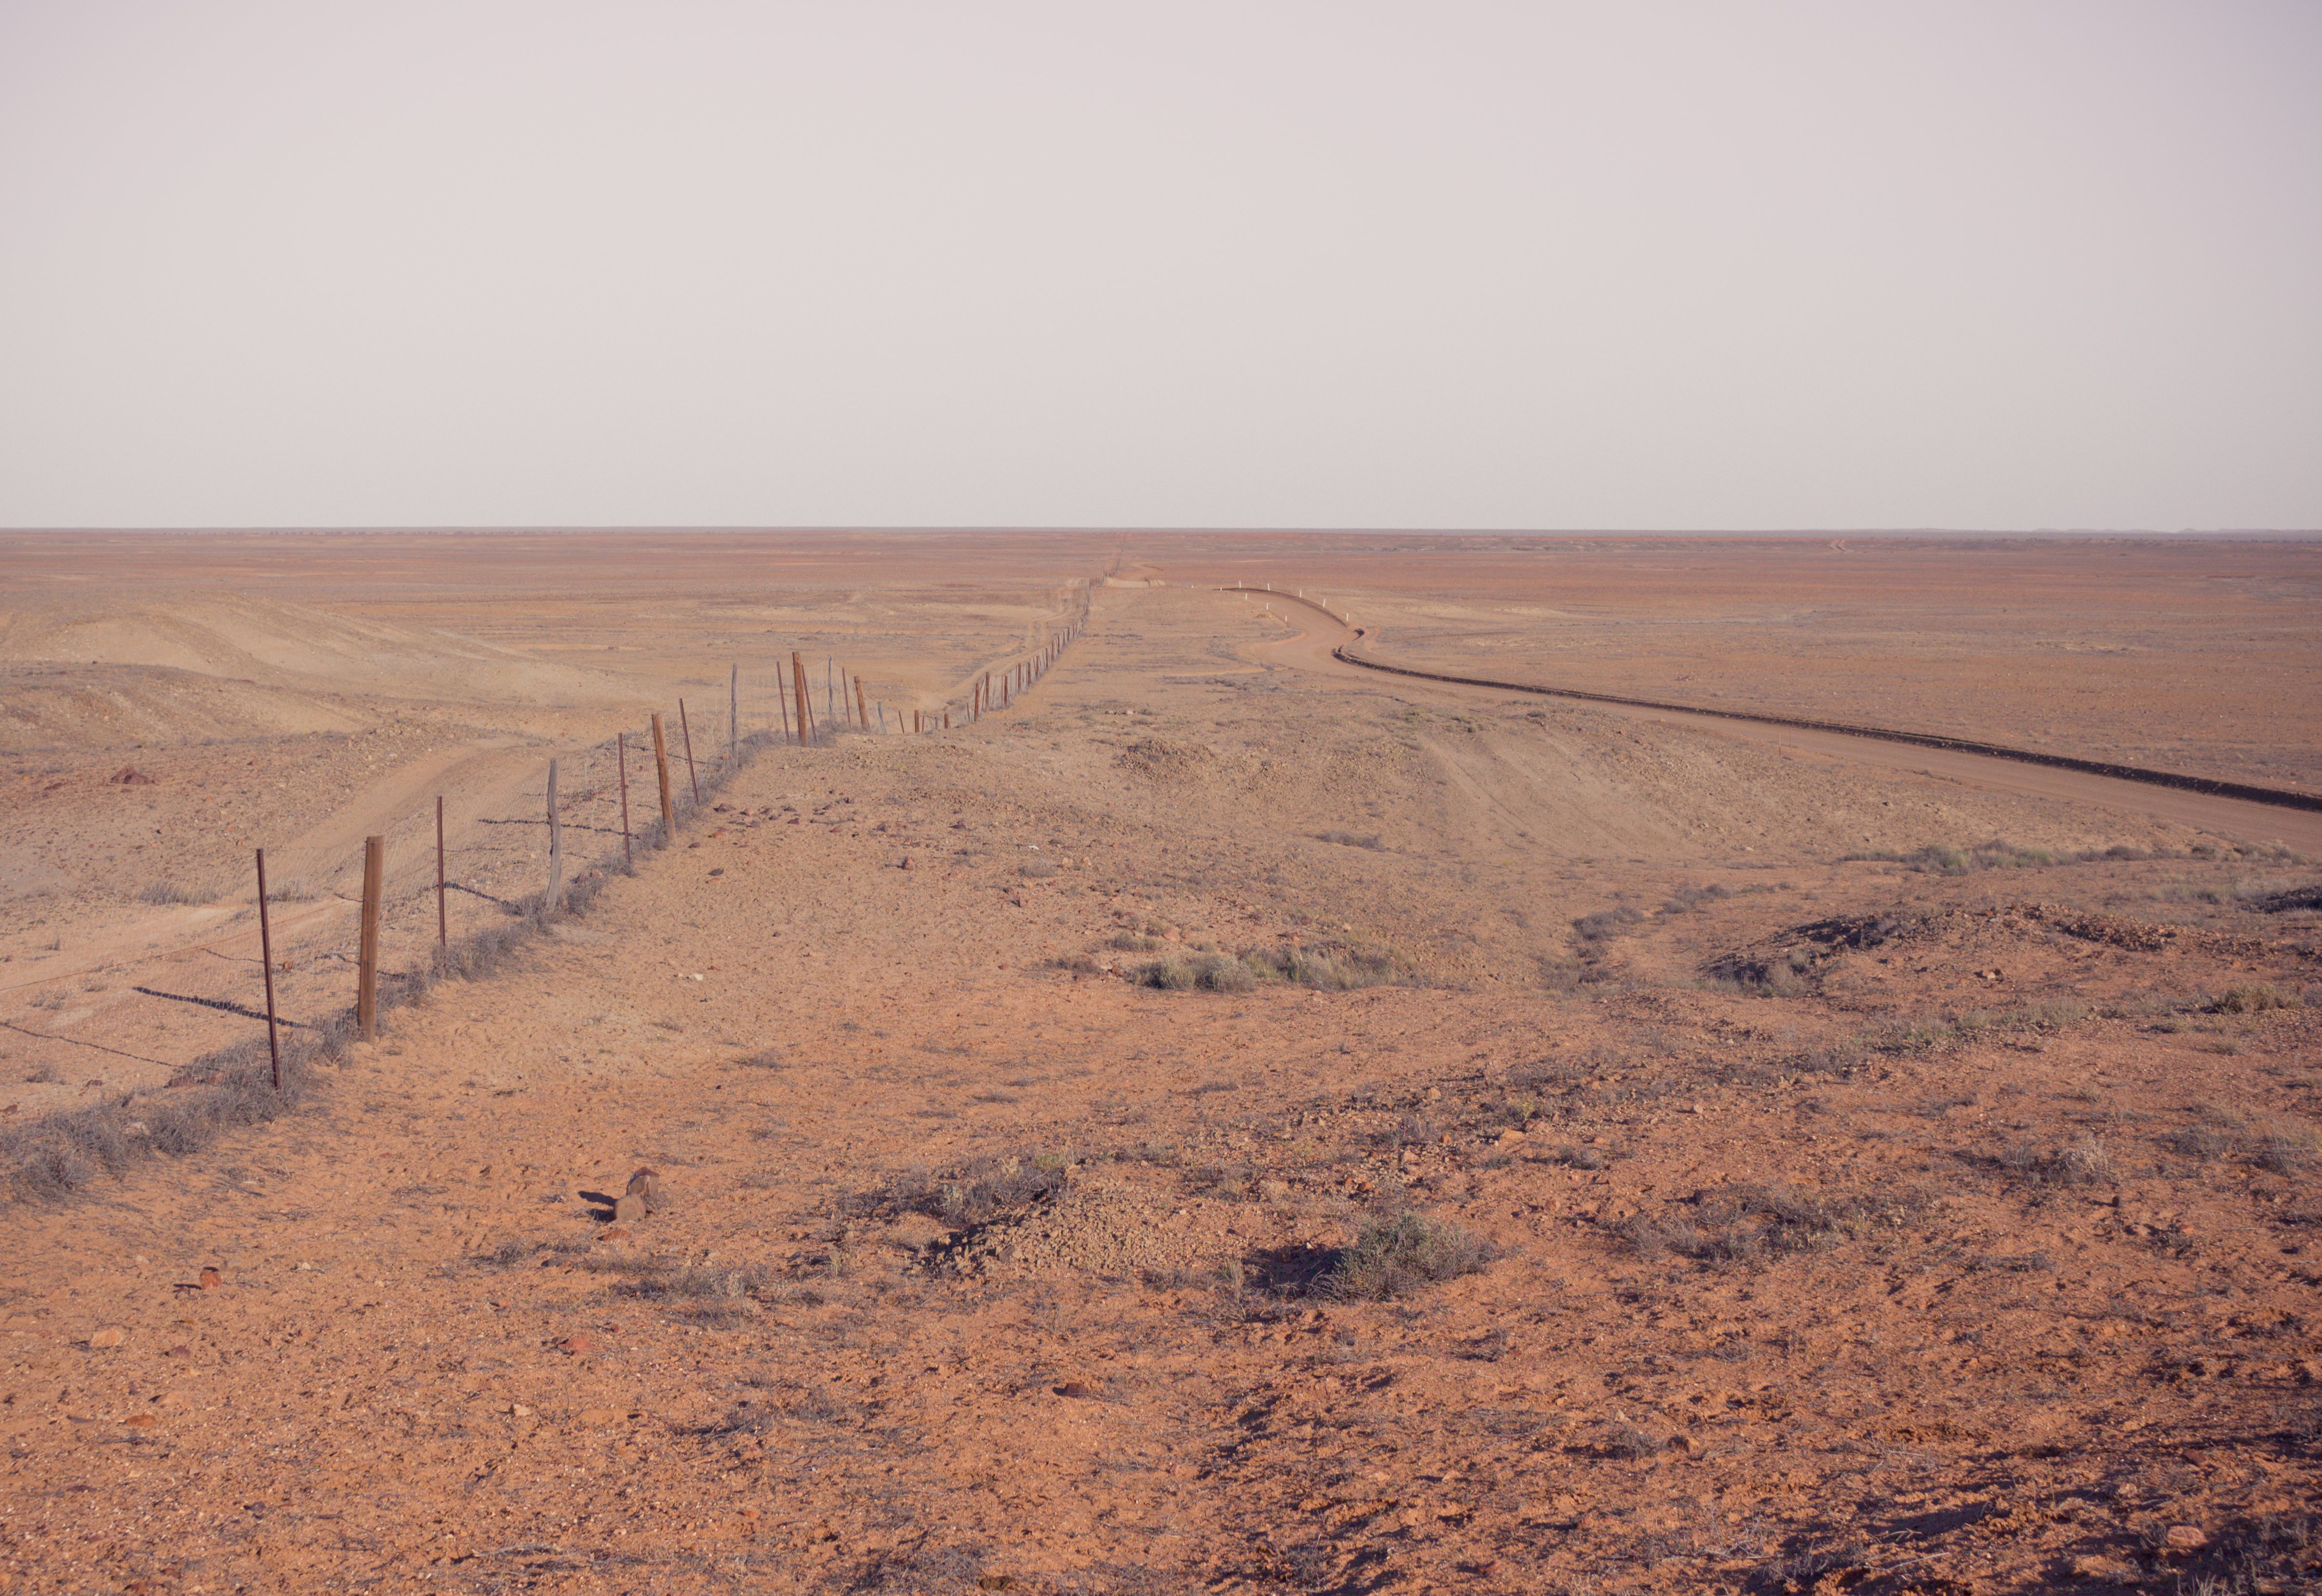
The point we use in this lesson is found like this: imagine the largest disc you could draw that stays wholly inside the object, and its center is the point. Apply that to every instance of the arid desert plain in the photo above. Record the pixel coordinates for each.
(1224, 1119)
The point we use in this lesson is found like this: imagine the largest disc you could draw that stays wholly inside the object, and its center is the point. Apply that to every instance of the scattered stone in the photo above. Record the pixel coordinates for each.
(130, 776)
(210, 1279)
(139, 1421)
(613, 1232)
(107, 1339)
(578, 1346)
(1078, 1390)
(2184, 1537)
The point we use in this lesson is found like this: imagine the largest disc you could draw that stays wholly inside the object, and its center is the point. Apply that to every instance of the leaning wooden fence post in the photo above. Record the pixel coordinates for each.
(661, 769)
(861, 713)
(556, 846)
(797, 693)
(687, 732)
(782, 696)
(733, 715)
(266, 958)
(621, 752)
(366, 956)
(442, 913)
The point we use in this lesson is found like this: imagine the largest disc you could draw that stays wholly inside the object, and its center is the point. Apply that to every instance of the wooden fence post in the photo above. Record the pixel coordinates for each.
(266, 957)
(442, 913)
(782, 697)
(861, 713)
(798, 694)
(661, 768)
(734, 716)
(366, 956)
(556, 846)
(621, 752)
(687, 732)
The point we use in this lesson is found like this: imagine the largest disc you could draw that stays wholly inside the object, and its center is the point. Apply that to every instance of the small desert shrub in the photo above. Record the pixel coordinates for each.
(2254, 999)
(165, 892)
(1605, 925)
(1346, 839)
(982, 1192)
(46, 1075)
(1943, 859)
(2085, 1163)
(1685, 899)
(1038, 870)
(1740, 1223)
(1771, 975)
(1396, 1255)
(1630, 1441)
(1332, 968)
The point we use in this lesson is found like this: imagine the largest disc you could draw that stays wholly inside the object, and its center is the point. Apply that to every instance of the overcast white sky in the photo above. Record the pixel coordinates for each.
(1619, 265)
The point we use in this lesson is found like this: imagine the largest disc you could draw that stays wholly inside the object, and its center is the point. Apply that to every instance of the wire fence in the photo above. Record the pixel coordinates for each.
(464, 879)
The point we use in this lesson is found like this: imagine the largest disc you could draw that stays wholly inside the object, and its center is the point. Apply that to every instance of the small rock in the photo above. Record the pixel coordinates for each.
(130, 776)
(107, 1339)
(210, 1279)
(2184, 1537)
(1076, 1389)
(1511, 1136)
(612, 1232)
(718, 871)
(2095, 1567)
(140, 1421)
(578, 1346)
(519, 1410)
(1687, 1446)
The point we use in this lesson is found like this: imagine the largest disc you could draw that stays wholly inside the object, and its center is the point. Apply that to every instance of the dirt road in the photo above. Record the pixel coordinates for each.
(2299, 830)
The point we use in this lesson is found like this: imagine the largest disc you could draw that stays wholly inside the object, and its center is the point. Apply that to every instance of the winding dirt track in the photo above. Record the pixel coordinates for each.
(2300, 829)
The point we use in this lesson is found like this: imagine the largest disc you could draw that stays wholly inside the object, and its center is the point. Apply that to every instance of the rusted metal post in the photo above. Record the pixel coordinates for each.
(661, 768)
(266, 958)
(556, 846)
(621, 752)
(687, 732)
(367, 955)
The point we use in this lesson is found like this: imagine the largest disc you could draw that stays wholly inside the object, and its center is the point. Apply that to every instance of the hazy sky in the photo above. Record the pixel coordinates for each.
(1619, 265)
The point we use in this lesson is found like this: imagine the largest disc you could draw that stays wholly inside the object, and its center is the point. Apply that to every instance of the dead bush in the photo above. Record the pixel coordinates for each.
(2253, 998)
(1399, 1254)
(2083, 1163)
(171, 892)
(1751, 1223)
(980, 1192)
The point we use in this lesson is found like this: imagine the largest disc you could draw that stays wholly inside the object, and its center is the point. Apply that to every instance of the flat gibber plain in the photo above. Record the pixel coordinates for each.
(1228, 1120)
